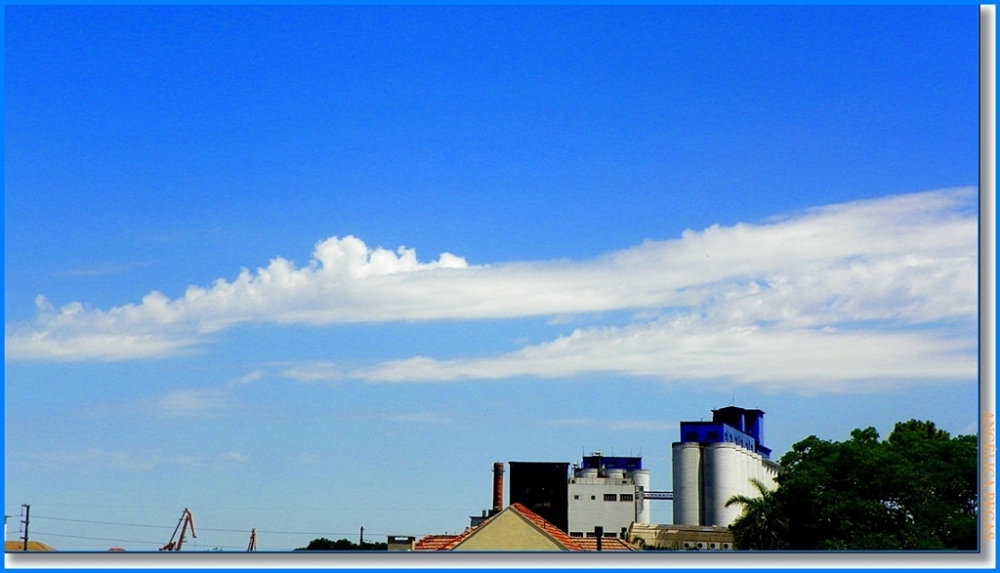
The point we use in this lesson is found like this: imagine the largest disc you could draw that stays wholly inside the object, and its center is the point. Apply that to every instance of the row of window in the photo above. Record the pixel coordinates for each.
(702, 545)
(592, 534)
(611, 497)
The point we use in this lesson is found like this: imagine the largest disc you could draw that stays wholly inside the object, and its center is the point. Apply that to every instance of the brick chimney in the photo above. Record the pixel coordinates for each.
(497, 486)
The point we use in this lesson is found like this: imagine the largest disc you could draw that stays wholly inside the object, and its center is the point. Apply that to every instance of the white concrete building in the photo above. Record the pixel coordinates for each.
(605, 492)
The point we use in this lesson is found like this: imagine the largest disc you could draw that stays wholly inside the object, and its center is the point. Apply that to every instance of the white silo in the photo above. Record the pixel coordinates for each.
(746, 473)
(721, 464)
(687, 461)
(641, 479)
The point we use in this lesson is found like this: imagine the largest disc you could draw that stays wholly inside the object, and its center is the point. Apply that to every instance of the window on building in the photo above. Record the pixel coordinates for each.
(576, 497)
(626, 497)
(593, 497)
(591, 534)
(612, 535)
(611, 497)
(576, 534)
(691, 437)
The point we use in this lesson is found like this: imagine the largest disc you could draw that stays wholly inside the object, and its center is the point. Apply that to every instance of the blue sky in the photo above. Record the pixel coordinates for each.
(307, 269)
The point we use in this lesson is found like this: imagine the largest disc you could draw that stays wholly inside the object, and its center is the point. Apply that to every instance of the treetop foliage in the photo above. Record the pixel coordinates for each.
(917, 490)
(324, 544)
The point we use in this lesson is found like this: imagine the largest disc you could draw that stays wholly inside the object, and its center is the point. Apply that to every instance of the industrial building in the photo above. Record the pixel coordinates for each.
(681, 537)
(715, 461)
(603, 495)
(543, 488)
(607, 492)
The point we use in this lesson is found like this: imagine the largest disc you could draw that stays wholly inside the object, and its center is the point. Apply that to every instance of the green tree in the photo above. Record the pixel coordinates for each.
(324, 544)
(916, 490)
(759, 526)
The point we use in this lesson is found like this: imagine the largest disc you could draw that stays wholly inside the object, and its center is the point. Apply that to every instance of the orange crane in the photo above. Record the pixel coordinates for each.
(253, 540)
(186, 520)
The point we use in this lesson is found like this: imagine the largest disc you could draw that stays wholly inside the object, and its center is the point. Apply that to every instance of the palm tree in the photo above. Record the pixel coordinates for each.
(759, 526)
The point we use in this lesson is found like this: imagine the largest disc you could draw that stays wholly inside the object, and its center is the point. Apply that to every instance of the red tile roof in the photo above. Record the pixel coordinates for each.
(433, 542)
(558, 534)
(449, 542)
(607, 544)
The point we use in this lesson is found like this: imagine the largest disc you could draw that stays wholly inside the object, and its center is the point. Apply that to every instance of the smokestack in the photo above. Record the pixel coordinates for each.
(599, 533)
(497, 486)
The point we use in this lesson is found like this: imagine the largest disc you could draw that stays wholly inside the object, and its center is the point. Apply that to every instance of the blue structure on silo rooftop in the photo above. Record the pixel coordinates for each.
(731, 424)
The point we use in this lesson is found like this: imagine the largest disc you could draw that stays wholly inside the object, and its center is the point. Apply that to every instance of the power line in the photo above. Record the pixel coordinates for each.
(102, 522)
(154, 543)
(220, 530)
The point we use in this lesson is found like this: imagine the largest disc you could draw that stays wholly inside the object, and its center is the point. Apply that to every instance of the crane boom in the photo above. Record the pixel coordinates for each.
(186, 520)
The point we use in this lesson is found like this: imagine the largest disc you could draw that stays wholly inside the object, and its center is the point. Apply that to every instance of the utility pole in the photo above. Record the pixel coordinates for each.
(27, 512)
(361, 538)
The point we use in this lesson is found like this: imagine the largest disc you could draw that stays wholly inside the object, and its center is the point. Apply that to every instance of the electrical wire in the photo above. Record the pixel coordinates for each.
(34, 517)
(219, 530)
(153, 543)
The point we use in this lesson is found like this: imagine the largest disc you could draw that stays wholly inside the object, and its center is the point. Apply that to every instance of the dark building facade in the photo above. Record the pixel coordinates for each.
(542, 487)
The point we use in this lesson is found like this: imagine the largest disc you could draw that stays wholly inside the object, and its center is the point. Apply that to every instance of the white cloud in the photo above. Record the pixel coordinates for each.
(617, 425)
(92, 459)
(832, 297)
(249, 378)
(189, 403)
(234, 457)
(419, 418)
(99, 459)
(691, 349)
(103, 269)
(314, 372)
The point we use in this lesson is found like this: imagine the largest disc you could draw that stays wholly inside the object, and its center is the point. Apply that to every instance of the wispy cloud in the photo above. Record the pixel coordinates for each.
(97, 458)
(837, 296)
(249, 378)
(189, 403)
(616, 425)
(235, 457)
(432, 418)
(103, 269)
(314, 372)
(690, 349)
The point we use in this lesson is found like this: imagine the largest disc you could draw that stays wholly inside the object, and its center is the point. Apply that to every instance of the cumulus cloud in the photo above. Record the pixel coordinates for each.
(834, 295)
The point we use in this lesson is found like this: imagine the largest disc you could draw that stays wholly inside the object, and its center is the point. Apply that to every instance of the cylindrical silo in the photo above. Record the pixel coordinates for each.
(746, 474)
(615, 473)
(687, 461)
(721, 461)
(641, 478)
